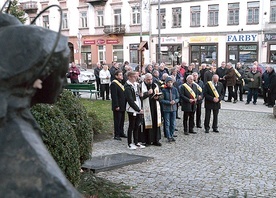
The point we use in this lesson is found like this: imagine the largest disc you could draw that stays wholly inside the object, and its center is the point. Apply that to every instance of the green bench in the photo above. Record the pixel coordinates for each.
(90, 88)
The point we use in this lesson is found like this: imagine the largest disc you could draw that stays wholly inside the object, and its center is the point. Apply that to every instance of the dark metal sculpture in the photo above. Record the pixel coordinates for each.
(33, 64)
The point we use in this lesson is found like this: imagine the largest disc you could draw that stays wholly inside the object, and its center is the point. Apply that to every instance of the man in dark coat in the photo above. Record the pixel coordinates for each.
(188, 72)
(113, 69)
(271, 87)
(221, 71)
(254, 79)
(188, 96)
(265, 84)
(200, 86)
(118, 105)
(213, 94)
(239, 81)
(208, 74)
(230, 78)
(97, 75)
(202, 71)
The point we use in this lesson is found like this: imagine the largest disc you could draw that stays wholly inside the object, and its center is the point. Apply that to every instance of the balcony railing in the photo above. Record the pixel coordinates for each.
(114, 29)
(29, 7)
(96, 2)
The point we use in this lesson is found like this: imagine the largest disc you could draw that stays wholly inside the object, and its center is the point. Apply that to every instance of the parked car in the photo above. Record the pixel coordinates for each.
(86, 76)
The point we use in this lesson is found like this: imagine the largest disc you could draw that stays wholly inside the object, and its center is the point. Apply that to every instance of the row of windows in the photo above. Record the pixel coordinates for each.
(213, 15)
(253, 9)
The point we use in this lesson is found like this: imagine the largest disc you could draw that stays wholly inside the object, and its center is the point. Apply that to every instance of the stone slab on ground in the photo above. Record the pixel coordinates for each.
(113, 161)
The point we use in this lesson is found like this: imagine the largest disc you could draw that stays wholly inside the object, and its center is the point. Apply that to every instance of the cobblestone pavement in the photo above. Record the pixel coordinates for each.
(241, 156)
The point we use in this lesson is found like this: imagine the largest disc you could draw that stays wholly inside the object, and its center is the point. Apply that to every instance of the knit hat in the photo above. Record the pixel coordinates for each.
(168, 79)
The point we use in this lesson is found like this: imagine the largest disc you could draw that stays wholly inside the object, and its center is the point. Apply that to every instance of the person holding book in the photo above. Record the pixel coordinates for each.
(152, 111)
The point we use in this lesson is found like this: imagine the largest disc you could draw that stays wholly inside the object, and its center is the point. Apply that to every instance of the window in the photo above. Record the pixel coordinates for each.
(118, 53)
(170, 54)
(233, 13)
(273, 11)
(195, 16)
(83, 19)
(136, 15)
(176, 17)
(46, 21)
(133, 53)
(242, 53)
(213, 11)
(86, 56)
(253, 9)
(64, 21)
(162, 18)
(204, 53)
(100, 17)
(117, 17)
(272, 52)
(101, 51)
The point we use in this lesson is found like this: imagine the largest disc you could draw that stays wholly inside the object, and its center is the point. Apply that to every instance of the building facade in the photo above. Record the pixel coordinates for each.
(215, 31)
(200, 31)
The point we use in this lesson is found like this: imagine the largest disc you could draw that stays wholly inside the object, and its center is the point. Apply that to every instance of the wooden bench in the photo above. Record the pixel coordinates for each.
(90, 88)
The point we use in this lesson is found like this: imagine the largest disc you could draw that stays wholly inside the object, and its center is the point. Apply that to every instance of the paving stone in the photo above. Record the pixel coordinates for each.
(240, 156)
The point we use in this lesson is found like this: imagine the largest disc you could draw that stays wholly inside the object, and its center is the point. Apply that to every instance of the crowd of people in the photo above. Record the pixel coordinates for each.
(152, 95)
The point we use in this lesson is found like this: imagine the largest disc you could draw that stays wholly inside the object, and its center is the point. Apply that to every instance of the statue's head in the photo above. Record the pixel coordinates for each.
(29, 56)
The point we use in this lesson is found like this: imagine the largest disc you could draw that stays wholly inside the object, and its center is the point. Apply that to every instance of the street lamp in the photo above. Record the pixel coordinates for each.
(79, 36)
(141, 22)
(159, 42)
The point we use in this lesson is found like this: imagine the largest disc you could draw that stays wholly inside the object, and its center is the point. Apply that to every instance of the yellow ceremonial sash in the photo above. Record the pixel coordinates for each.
(214, 90)
(120, 84)
(190, 90)
(239, 75)
(198, 87)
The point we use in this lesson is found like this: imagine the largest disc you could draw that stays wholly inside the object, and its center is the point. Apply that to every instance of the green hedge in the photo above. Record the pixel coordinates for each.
(76, 113)
(60, 139)
(67, 133)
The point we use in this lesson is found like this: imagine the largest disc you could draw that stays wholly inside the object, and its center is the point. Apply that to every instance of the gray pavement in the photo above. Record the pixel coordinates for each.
(241, 156)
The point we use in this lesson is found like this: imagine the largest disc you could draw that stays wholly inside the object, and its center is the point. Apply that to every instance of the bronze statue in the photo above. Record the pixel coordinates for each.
(26, 167)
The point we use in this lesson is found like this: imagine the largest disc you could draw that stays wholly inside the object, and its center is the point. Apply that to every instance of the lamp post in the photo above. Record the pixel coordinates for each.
(141, 22)
(141, 36)
(79, 36)
(159, 42)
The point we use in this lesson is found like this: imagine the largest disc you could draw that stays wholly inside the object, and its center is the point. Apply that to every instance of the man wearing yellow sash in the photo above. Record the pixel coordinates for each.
(200, 85)
(240, 81)
(188, 95)
(213, 93)
(118, 105)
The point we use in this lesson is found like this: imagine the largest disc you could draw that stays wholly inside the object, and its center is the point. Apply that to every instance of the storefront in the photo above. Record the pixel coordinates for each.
(98, 49)
(242, 48)
(171, 51)
(203, 49)
(270, 38)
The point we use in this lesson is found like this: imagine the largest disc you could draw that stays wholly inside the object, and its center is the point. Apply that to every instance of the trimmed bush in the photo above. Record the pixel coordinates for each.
(60, 139)
(76, 113)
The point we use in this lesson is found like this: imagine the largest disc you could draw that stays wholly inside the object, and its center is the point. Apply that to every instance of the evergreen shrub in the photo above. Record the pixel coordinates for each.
(60, 139)
(76, 113)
